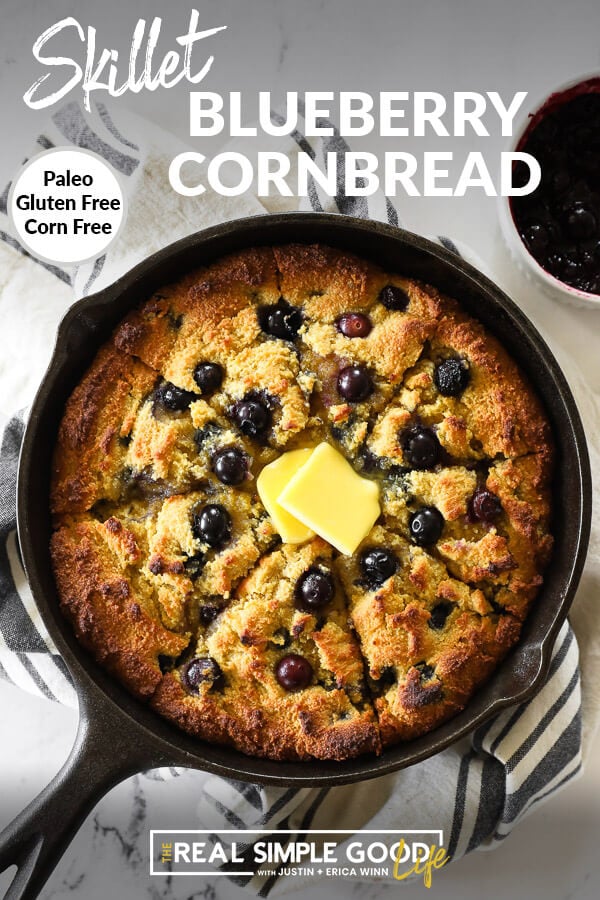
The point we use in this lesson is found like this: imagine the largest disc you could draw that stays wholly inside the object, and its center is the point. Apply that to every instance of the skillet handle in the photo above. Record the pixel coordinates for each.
(37, 838)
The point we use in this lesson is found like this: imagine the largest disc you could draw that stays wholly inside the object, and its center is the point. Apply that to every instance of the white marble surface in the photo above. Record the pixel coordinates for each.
(552, 855)
(326, 45)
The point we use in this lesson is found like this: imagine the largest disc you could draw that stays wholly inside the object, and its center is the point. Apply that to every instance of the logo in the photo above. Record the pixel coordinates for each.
(397, 854)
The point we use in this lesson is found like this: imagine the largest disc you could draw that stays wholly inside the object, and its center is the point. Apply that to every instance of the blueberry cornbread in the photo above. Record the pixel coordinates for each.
(301, 505)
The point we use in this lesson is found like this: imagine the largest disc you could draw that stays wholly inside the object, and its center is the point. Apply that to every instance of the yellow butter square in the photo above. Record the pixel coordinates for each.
(270, 483)
(328, 496)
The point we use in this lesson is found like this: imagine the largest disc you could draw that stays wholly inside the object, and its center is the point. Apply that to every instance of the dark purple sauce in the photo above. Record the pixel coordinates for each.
(559, 222)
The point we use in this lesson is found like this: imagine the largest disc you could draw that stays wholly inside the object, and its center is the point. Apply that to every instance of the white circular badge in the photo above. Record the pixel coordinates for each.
(66, 206)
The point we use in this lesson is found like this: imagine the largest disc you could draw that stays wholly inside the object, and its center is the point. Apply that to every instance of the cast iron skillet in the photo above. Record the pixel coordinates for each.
(118, 735)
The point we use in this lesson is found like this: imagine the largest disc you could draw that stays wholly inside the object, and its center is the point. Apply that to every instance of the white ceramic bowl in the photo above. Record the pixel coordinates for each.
(551, 286)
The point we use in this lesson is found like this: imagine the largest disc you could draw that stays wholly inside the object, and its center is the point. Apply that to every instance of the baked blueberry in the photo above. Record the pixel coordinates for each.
(426, 526)
(293, 672)
(230, 466)
(368, 461)
(212, 525)
(208, 612)
(354, 325)
(206, 434)
(425, 671)
(451, 377)
(354, 383)
(252, 417)
(484, 506)
(439, 614)
(420, 446)
(394, 297)
(194, 565)
(314, 589)
(281, 639)
(280, 320)
(209, 377)
(173, 398)
(377, 565)
(201, 669)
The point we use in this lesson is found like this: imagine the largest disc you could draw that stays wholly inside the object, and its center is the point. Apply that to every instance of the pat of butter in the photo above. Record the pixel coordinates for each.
(327, 495)
(271, 482)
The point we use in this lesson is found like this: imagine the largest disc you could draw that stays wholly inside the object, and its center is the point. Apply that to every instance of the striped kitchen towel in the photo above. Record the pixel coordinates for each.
(475, 791)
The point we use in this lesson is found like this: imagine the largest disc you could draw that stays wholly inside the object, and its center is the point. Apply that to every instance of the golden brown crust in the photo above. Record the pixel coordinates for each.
(148, 596)
(500, 405)
(253, 732)
(330, 719)
(99, 417)
(429, 638)
(208, 314)
(112, 617)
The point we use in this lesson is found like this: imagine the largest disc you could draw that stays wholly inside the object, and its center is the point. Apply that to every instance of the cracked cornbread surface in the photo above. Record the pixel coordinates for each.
(171, 570)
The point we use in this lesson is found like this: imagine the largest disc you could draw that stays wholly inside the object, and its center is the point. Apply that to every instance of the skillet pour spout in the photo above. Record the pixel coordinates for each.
(119, 735)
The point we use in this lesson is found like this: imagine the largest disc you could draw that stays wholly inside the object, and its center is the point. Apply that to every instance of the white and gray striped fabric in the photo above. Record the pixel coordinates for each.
(477, 790)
